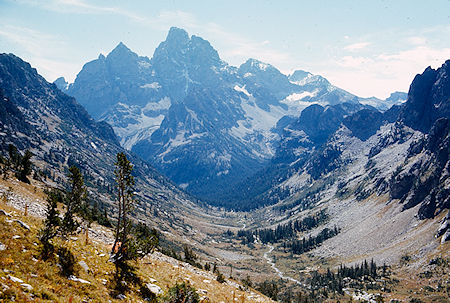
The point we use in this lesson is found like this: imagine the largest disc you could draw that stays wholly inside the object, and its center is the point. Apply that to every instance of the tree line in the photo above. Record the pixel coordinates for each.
(299, 247)
(347, 276)
(20, 164)
(284, 231)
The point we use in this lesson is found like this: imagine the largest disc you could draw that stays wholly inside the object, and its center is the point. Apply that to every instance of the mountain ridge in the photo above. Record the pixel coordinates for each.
(161, 107)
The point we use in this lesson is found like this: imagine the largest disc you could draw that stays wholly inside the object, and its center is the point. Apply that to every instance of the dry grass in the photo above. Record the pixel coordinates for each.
(21, 259)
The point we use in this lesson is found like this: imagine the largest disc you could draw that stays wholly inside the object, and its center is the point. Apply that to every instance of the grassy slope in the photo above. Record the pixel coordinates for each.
(20, 260)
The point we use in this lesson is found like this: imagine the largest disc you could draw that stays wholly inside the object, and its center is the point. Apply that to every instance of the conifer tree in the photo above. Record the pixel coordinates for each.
(51, 224)
(25, 167)
(14, 156)
(74, 200)
(125, 188)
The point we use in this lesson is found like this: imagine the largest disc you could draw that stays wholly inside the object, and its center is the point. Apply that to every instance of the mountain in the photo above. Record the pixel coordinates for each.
(428, 99)
(361, 154)
(36, 115)
(299, 138)
(379, 178)
(200, 121)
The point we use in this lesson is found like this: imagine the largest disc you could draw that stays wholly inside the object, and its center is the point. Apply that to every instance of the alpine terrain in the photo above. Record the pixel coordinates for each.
(200, 121)
(181, 178)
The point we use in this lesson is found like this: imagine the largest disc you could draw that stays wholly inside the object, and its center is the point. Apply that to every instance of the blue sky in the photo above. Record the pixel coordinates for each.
(370, 48)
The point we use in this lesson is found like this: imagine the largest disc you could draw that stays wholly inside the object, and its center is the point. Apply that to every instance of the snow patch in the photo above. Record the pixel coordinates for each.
(184, 185)
(299, 96)
(153, 85)
(144, 122)
(144, 64)
(242, 90)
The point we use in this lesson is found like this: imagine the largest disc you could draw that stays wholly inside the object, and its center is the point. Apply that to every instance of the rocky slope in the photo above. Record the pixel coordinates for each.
(384, 177)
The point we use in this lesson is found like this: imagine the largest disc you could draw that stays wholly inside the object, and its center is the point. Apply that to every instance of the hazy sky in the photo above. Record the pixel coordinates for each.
(370, 48)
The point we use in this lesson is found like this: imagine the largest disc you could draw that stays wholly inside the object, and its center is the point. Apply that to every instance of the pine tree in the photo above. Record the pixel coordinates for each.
(125, 187)
(25, 167)
(74, 200)
(51, 224)
(14, 156)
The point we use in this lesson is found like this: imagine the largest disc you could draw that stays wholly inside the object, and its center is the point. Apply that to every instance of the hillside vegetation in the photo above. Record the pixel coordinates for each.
(24, 276)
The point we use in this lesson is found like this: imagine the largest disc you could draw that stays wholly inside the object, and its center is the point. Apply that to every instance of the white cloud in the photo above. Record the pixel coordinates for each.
(43, 51)
(417, 40)
(357, 46)
(384, 73)
(235, 48)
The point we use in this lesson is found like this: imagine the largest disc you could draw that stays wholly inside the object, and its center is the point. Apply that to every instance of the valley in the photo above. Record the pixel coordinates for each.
(289, 187)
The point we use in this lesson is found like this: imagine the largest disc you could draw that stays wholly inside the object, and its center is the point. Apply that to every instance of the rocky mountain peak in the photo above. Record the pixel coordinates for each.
(202, 47)
(177, 36)
(397, 97)
(120, 52)
(427, 99)
(299, 75)
(254, 65)
(181, 49)
(61, 83)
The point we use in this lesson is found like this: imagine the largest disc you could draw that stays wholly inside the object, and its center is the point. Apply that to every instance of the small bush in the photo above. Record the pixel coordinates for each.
(220, 277)
(405, 259)
(182, 293)
(67, 261)
(147, 294)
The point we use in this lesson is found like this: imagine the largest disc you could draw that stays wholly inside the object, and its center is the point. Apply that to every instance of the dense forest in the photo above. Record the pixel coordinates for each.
(283, 231)
(306, 244)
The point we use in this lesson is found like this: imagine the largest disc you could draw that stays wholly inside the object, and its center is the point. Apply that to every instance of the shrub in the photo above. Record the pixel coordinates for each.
(182, 293)
(67, 261)
(220, 277)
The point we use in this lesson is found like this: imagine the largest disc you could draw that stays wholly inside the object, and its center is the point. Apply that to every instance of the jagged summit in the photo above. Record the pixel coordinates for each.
(299, 75)
(427, 98)
(61, 83)
(255, 64)
(184, 49)
(177, 35)
(121, 51)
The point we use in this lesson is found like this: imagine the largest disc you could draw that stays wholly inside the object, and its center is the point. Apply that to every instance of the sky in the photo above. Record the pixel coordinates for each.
(369, 48)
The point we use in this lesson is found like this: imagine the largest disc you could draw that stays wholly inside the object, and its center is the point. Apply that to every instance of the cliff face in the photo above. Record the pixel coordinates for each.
(428, 99)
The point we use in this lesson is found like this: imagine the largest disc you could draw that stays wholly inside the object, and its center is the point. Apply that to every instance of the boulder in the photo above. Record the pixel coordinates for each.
(84, 266)
(14, 279)
(73, 278)
(27, 286)
(24, 225)
(154, 288)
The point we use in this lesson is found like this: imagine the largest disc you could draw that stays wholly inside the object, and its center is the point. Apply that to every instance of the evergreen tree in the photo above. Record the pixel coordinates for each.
(25, 167)
(51, 224)
(74, 200)
(14, 156)
(145, 240)
(125, 187)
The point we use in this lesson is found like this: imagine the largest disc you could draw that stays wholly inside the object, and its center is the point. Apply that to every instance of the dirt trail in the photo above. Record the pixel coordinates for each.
(277, 270)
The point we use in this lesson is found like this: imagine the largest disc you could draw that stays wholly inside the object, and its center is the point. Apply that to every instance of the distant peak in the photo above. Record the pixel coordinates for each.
(61, 83)
(256, 64)
(299, 75)
(121, 50)
(121, 47)
(177, 35)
